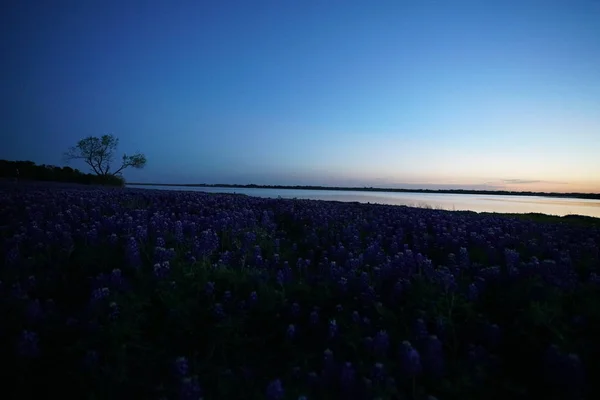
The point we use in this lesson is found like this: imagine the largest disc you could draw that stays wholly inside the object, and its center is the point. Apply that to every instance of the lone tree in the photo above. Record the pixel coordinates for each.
(98, 153)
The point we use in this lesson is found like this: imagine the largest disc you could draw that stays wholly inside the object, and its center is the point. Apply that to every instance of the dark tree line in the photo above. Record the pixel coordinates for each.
(30, 171)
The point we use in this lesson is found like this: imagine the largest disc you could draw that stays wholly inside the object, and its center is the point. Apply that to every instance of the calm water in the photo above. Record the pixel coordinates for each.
(470, 202)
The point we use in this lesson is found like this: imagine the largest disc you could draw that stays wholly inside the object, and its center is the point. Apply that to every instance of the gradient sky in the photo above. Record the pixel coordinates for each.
(490, 94)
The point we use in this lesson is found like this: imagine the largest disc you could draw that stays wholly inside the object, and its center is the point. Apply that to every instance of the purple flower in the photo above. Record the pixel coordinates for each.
(347, 378)
(114, 310)
(399, 287)
(99, 281)
(444, 277)
(116, 278)
(378, 373)
(206, 243)
(12, 256)
(512, 258)
(295, 310)
(343, 284)
(28, 345)
(209, 288)
(419, 330)
(333, 328)
(275, 390)
(17, 291)
(314, 317)
(161, 270)
(291, 331)
(141, 232)
(451, 259)
(99, 294)
(381, 343)
(113, 239)
(472, 292)
(159, 254)
(410, 359)
(132, 252)
(328, 364)
(463, 256)
(178, 232)
(253, 298)
(92, 236)
(181, 367)
(218, 310)
(190, 388)
(433, 356)
(34, 311)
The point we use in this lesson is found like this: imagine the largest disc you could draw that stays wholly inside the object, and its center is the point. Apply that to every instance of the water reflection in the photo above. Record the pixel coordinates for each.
(462, 202)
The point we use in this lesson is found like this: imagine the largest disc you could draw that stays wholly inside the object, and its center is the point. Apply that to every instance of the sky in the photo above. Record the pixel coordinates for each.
(387, 93)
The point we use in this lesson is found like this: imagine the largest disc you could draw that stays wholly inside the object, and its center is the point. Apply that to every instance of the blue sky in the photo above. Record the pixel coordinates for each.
(497, 94)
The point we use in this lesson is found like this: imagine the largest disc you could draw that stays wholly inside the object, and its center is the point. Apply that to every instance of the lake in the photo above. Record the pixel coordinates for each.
(468, 202)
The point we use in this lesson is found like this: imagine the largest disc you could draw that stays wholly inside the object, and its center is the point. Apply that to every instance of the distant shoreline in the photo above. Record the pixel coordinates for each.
(590, 196)
(6, 184)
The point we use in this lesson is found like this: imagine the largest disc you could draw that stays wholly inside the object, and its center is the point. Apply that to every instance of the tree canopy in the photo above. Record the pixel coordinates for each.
(99, 154)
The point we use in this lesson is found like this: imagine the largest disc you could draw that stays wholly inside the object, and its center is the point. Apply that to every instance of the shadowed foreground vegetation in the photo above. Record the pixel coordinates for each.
(29, 171)
(146, 294)
(582, 220)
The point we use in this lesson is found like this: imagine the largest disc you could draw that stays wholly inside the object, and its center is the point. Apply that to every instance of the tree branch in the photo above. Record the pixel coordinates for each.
(125, 165)
(98, 153)
(93, 166)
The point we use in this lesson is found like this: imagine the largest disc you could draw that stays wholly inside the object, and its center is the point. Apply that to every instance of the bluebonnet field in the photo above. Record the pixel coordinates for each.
(154, 294)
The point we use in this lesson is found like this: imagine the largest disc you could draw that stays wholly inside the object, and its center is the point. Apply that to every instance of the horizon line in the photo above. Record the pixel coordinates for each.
(364, 188)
